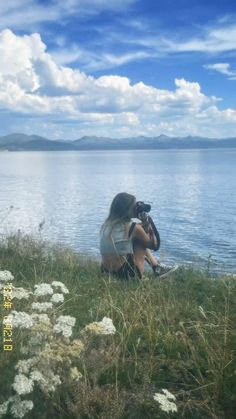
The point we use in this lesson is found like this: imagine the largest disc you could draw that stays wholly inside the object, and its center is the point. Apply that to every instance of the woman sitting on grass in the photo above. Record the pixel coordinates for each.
(125, 245)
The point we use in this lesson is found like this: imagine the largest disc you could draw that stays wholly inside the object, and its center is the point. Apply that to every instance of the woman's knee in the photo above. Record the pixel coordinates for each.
(138, 246)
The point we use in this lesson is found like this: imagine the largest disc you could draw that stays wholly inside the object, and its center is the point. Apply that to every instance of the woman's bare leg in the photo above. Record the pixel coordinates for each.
(141, 254)
(139, 258)
(150, 258)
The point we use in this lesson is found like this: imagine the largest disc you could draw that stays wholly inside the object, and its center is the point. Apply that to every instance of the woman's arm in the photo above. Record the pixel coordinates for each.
(145, 240)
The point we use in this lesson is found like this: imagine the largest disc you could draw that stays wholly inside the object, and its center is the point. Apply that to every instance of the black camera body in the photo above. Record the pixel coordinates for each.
(141, 207)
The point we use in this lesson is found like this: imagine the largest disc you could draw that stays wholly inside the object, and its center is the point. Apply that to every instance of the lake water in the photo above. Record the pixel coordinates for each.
(192, 193)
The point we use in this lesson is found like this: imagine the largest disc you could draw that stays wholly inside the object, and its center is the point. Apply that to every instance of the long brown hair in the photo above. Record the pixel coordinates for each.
(121, 209)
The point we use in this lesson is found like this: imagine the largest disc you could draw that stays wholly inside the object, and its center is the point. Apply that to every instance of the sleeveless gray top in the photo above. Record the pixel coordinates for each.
(117, 242)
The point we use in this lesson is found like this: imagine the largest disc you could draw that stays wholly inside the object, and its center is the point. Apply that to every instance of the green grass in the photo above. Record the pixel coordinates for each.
(178, 334)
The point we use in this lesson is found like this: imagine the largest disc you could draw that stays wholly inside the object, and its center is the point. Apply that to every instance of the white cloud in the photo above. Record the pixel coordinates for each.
(58, 101)
(223, 68)
(213, 39)
(107, 60)
(91, 61)
(15, 13)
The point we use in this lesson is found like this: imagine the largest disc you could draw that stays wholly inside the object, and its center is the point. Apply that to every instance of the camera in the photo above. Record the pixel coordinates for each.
(141, 207)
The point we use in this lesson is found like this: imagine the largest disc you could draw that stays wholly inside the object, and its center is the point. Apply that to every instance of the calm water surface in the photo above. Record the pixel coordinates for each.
(192, 193)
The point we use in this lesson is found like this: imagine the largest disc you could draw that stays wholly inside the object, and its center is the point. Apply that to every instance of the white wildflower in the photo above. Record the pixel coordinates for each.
(104, 327)
(58, 284)
(20, 293)
(33, 345)
(22, 384)
(107, 326)
(41, 306)
(40, 318)
(24, 365)
(50, 383)
(55, 379)
(57, 298)
(169, 395)
(68, 320)
(20, 408)
(75, 374)
(8, 319)
(43, 289)
(6, 276)
(3, 408)
(64, 325)
(36, 375)
(19, 319)
(164, 401)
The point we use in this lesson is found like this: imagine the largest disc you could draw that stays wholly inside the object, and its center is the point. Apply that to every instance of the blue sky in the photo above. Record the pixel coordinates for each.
(118, 68)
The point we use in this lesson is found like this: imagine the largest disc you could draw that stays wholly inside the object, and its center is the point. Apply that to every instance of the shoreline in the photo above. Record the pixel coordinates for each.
(125, 149)
(96, 258)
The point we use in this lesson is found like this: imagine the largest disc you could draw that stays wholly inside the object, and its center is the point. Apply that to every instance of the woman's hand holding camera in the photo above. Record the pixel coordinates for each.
(145, 223)
(143, 216)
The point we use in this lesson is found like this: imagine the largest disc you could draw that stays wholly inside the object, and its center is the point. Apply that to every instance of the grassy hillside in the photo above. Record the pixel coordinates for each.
(176, 334)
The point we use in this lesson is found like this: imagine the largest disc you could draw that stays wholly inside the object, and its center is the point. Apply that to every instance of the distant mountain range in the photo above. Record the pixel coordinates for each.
(22, 142)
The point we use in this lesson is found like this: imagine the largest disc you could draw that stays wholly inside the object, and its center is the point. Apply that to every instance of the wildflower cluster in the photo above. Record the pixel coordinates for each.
(6, 279)
(105, 327)
(45, 350)
(48, 351)
(166, 401)
(6, 276)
